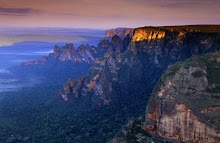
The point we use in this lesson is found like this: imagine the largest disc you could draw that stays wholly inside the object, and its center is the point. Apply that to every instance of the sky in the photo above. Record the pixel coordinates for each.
(105, 14)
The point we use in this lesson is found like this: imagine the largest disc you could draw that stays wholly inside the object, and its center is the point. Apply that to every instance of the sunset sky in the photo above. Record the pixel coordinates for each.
(104, 14)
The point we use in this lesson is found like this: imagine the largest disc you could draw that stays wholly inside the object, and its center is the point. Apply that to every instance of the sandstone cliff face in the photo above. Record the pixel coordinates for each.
(185, 104)
(121, 32)
(149, 34)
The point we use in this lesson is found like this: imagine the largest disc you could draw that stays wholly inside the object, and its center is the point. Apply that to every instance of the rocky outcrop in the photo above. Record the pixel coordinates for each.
(37, 62)
(121, 32)
(68, 53)
(84, 53)
(134, 132)
(72, 89)
(104, 44)
(100, 69)
(185, 105)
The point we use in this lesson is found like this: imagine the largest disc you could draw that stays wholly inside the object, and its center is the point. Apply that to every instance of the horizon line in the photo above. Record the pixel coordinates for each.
(88, 28)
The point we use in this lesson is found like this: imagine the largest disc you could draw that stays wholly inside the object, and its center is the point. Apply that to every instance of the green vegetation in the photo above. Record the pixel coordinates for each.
(208, 61)
(37, 115)
(199, 28)
(214, 90)
(197, 74)
(134, 133)
(214, 72)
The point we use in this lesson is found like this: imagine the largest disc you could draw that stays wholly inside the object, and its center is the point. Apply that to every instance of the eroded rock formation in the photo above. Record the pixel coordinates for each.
(72, 89)
(100, 69)
(68, 53)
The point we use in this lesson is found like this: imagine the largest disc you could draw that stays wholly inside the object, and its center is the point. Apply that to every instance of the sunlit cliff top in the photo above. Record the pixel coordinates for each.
(189, 28)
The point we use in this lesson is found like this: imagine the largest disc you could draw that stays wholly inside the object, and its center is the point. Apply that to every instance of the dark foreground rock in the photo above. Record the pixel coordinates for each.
(185, 105)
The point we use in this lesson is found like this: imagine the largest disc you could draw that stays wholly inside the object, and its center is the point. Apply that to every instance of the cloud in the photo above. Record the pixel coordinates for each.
(188, 3)
(174, 3)
(58, 38)
(17, 11)
(107, 13)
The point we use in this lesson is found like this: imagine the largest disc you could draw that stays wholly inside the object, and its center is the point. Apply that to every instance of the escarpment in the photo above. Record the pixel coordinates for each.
(125, 75)
(185, 104)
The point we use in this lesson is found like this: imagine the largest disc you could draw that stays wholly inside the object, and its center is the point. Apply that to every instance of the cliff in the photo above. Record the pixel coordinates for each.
(135, 71)
(121, 32)
(185, 105)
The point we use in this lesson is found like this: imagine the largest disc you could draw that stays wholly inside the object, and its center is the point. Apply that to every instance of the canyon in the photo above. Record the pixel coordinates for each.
(137, 68)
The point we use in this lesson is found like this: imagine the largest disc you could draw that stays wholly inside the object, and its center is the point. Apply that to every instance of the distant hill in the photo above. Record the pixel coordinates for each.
(121, 32)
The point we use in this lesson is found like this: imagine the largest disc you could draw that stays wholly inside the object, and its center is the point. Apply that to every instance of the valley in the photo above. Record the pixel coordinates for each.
(88, 93)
